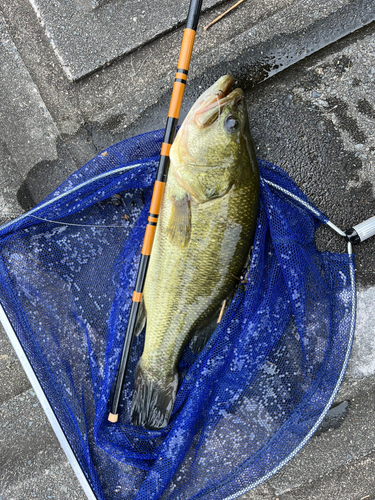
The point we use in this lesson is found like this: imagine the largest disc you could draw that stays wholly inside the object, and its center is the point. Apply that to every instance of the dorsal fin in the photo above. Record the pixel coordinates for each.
(179, 225)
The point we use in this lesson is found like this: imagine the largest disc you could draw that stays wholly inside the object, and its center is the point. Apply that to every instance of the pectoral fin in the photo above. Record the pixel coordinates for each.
(179, 225)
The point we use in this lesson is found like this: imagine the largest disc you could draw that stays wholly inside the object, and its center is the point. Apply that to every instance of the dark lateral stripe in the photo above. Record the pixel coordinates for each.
(183, 71)
(152, 223)
(180, 80)
(153, 215)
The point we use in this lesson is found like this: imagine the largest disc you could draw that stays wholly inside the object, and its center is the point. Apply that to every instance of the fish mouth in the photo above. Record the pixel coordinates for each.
(214, 100)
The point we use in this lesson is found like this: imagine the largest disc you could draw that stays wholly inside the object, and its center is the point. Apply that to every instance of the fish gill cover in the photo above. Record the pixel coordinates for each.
(246, 404)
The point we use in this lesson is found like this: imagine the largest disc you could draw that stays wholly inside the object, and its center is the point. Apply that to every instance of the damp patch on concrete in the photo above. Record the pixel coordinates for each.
(334, 417)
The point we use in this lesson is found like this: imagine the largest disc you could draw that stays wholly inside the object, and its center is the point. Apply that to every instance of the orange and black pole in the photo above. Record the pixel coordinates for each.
(157, 195)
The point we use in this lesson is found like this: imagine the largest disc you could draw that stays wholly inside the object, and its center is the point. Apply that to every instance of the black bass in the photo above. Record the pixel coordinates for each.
(205, 230)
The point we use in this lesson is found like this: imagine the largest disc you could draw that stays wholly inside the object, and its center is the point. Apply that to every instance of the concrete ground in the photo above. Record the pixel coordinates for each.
(72, 83)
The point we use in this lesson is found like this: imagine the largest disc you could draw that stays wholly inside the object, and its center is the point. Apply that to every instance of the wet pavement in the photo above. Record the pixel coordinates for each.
(308, 71)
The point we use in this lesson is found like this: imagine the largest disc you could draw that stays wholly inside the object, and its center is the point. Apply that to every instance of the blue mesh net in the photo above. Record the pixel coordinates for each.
(246, 404)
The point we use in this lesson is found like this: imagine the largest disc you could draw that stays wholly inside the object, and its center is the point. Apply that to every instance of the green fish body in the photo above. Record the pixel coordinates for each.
(202, 241)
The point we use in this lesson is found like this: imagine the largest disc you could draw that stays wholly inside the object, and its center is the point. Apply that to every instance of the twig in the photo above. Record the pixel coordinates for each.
(140, 67)
(221, 311)
(222, 15)
(334, 107)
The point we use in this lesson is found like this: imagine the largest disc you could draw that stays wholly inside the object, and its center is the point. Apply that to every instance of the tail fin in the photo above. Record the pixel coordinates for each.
(153, 399)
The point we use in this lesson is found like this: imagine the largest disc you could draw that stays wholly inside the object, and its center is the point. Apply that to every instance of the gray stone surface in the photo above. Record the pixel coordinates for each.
(355, 481)
(98, 111)
(116, 97)
(314, 119)
(354, 439)
(40, 60)
(13, 380)
(362, 360)
(27, 132)
(253, 43)
(32, 464)
(86, 39)
(337, 463)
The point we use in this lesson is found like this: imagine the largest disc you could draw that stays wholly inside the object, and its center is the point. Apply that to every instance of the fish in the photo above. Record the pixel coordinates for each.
(205, 230)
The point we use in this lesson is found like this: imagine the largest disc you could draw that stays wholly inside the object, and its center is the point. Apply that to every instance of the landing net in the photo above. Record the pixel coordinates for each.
(246, 404)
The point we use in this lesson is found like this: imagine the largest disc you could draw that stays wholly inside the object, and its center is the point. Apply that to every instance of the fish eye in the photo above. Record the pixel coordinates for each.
(231, 123)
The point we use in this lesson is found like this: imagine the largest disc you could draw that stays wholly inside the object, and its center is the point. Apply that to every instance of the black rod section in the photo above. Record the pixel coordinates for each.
(193, 15)
(170, 130)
